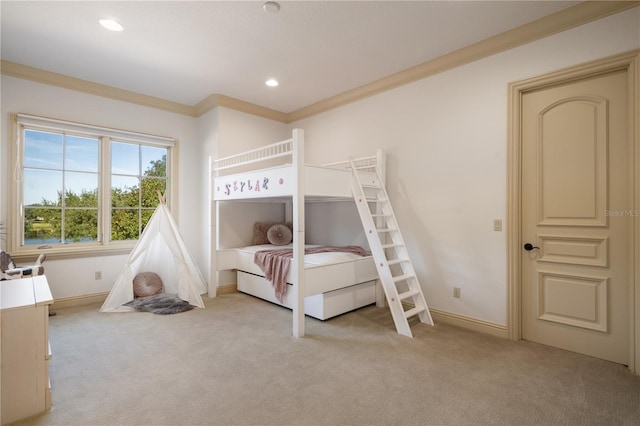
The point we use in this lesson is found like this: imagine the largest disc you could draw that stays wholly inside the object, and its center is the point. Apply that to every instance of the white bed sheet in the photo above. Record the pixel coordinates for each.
(323, 271)
(310, 260)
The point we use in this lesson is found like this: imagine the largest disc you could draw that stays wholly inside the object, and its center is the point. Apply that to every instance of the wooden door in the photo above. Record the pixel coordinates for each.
(577, 211)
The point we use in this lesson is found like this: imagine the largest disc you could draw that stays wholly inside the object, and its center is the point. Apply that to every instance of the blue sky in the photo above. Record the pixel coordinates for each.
(47, 154)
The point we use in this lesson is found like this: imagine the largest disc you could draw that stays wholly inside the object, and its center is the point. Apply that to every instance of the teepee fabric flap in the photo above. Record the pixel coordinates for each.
(161, 250)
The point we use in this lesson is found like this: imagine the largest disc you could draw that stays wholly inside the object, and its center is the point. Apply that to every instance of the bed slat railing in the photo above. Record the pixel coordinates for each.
(269, 152)
(364, 164)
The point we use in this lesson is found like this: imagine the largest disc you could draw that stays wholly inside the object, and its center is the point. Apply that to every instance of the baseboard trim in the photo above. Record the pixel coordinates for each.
(227, 289)
(90, 299)
(437, 315)
(469, 323)
(72, 302)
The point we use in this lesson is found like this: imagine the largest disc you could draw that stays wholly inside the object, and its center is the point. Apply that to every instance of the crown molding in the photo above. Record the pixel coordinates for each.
(64, 81)
(217, 100)
(563, 20)
(566, 19)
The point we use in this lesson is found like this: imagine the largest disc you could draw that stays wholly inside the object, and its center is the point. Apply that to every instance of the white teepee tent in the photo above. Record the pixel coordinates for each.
(160, 250)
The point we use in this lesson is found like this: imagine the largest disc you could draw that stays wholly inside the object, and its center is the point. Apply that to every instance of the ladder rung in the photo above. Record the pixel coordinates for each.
(408, 294)
(414, 311)
(375, 214)
(402, 277)
(396, 261)
(386, 246)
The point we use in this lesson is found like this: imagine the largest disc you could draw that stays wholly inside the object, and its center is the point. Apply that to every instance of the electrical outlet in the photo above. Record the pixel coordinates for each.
(456, 292)
(98, 275)
(497, 224)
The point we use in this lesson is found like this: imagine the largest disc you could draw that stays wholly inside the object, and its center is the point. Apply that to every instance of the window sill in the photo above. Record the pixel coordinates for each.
(67, 252)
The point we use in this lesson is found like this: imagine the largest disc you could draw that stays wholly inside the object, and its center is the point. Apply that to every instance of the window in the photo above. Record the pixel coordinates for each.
(138, 172)
(84, 188)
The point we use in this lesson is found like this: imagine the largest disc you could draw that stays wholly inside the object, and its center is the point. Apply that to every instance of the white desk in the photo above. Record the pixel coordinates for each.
(24, 324)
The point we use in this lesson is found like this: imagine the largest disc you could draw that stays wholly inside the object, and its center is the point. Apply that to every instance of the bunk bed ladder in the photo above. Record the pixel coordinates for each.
(397, 275)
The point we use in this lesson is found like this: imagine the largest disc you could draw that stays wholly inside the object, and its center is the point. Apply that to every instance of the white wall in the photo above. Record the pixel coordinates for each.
(225, 132)
(197, 140)
(75, 277)
(446, 172)
(446, 138)
(239, 132)
(207, 125)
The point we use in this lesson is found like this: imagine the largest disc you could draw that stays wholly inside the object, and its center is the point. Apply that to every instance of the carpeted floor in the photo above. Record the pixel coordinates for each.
(235, 362)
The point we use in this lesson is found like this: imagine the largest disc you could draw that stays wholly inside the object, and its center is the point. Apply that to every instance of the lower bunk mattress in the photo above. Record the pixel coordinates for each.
(335, 283)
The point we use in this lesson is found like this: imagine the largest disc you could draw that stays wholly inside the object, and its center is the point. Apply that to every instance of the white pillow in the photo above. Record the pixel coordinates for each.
(279, 235)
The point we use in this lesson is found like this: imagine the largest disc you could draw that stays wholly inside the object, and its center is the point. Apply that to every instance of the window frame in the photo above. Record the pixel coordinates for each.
(104, 245)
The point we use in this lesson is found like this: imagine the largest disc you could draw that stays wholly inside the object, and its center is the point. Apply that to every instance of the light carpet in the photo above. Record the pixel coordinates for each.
(235, 362)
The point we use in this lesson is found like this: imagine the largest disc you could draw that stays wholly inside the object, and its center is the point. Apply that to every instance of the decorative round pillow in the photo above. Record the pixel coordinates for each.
(279, 234)
(147, 284)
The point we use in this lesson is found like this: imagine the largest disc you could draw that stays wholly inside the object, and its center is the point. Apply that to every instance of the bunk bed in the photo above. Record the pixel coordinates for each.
(323, 284)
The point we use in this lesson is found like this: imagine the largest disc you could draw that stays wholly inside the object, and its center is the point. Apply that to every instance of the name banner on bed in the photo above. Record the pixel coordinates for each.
(264, 183)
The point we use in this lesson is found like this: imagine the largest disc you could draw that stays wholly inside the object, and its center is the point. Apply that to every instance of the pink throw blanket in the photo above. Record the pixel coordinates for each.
(275, 263)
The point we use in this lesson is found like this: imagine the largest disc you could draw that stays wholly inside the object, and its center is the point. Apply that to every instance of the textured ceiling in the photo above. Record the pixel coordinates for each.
(185, 51)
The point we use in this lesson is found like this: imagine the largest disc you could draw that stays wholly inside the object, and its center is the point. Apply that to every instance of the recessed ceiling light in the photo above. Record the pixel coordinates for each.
(271, 82)
(111, 25)
(271, 7)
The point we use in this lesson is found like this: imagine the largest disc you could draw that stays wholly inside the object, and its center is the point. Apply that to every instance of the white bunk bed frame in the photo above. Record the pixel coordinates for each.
(292, 181)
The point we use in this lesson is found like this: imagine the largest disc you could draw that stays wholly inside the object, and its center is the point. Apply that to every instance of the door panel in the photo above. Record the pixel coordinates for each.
(579, 301)
(575, 173)
(573, 131)
(573, 250)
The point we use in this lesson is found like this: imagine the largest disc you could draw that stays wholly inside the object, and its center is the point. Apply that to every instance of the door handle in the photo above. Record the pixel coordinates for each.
(529, 247)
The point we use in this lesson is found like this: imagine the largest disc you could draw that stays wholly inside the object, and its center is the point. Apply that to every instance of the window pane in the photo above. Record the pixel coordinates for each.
(150, 188)
(42, 149)
(125, 159)
(124, 224)
(42, 226)
(80, 225)
(81, 154)
(42, 187)
(146, 215)
(154, 161)
(81, 189)
(125, 191)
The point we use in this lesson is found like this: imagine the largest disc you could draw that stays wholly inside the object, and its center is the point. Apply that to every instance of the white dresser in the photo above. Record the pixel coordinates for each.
(25, 349)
